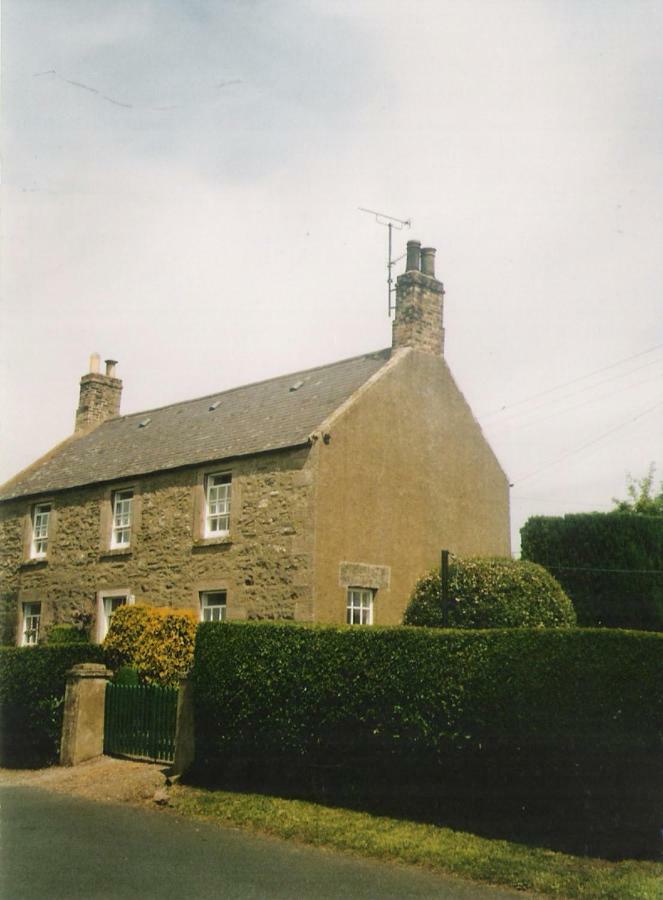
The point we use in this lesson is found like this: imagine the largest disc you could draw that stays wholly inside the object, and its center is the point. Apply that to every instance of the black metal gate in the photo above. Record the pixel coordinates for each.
(140, 722)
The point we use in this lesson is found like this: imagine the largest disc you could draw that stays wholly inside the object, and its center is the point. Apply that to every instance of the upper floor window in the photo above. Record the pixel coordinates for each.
(217, 505)
(30, 627)
(122, 509)
(212, 606)
(40, 516)
(360, 606)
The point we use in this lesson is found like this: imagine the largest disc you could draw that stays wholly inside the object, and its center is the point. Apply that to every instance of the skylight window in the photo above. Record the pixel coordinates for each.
(144, 422)
(214, 405)
(296, 386)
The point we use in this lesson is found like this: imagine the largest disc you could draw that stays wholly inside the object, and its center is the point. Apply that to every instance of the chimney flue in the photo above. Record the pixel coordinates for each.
(111, 363)
(413, 256)
(428, 261)
(95, 362)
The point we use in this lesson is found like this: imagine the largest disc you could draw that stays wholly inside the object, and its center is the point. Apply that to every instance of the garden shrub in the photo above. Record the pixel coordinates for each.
(491, 593)
(127, 676)
(551, 720)
(156, 642)
(610, 564)
(32, 686)
(66, 634)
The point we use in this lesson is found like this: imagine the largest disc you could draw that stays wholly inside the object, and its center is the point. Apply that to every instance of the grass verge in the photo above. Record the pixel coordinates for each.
(451, 852)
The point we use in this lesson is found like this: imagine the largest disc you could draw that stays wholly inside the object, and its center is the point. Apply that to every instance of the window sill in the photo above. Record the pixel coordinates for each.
(222, 540)
(35, 562)
(115, 552)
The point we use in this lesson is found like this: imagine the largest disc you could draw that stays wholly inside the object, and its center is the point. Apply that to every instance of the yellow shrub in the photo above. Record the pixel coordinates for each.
(157, 642)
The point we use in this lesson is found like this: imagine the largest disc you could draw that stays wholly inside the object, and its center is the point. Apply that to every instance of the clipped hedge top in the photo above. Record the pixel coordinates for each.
(492, 593)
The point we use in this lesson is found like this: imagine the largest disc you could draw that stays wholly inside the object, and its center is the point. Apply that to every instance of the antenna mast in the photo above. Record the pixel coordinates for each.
(391, 223)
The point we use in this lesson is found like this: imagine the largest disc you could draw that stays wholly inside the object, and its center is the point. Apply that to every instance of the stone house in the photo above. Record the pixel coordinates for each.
(321, 495)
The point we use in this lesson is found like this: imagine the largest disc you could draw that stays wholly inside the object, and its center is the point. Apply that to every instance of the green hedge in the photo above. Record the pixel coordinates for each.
(67, 634)
(521, 713)
(610, 564)
(32, 685)
(491, 593)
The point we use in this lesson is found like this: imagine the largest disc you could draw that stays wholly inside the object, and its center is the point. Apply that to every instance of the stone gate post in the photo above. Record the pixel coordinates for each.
(185, 732)
(83, 722)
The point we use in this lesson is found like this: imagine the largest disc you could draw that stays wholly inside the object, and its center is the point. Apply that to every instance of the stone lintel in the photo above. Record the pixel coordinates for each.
(364, 575)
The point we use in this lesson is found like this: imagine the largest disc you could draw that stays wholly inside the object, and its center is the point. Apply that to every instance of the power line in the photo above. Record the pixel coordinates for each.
(572, 381)
(590, 443)
(611, 571)
(528, 424)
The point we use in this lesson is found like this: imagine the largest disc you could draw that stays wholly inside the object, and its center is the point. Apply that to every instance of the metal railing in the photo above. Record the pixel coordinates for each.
(140, 722)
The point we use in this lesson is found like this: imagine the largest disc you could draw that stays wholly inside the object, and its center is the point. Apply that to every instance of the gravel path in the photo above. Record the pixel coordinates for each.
(105, 779)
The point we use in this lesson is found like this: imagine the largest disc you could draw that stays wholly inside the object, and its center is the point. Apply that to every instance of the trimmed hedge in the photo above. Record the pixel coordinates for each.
(157, 642)
(67, 634)
(491, 593)
(610, 564)
(32, 686)
(532, 717)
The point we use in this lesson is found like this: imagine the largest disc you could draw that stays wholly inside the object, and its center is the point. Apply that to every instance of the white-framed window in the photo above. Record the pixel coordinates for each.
(212, 606)
(122, 502)
(41, 514)
(30, 623)
(360, 606)
(217, 504)
(108, 603)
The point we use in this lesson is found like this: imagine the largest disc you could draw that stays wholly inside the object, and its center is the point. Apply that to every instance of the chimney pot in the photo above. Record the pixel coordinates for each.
(413, 256)
(95, 362)
(428, 261)
(110, 366)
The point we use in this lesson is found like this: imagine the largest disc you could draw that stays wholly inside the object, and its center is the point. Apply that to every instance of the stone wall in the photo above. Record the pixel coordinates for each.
(264, 564)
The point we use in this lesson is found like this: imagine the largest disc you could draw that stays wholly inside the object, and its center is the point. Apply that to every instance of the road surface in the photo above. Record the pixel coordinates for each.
(67, 848)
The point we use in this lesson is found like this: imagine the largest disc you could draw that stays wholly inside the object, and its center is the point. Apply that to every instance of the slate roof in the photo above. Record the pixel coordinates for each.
(268, 415)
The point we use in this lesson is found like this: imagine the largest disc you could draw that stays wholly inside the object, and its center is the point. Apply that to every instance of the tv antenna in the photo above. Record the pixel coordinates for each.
(399, 224)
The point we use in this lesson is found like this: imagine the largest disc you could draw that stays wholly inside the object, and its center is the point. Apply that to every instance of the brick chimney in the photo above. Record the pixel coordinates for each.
(419, 301)
(100, 395)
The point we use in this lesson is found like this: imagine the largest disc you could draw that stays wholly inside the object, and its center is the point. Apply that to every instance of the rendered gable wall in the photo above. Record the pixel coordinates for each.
(406, 473)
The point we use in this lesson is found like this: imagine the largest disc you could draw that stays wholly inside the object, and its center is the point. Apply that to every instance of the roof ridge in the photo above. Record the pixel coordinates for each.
(240, 387)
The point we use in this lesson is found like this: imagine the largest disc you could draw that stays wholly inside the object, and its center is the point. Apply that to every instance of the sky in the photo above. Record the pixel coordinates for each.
(181, 184)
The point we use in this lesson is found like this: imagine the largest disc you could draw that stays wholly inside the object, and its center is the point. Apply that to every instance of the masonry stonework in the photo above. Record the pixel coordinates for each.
(418, 317)
(264, 565)
(100, 399)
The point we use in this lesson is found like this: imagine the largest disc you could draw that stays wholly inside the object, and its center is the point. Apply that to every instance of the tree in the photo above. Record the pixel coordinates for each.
(640, 499)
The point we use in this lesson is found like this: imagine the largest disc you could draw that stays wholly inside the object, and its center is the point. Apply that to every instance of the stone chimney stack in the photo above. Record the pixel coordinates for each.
(419, 301)
(100, 395)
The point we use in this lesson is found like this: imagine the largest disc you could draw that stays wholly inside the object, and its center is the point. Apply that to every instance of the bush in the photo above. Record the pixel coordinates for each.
(32, 686)
(66, 634)
(158, 643)
(567, 724)
(127, 676)
(610, 564)
(491, 593)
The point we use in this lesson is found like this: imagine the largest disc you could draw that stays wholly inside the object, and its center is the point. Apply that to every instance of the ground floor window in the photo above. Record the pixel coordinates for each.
(360, 606)
(212, 606)
(108, 604)
(31, 621)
